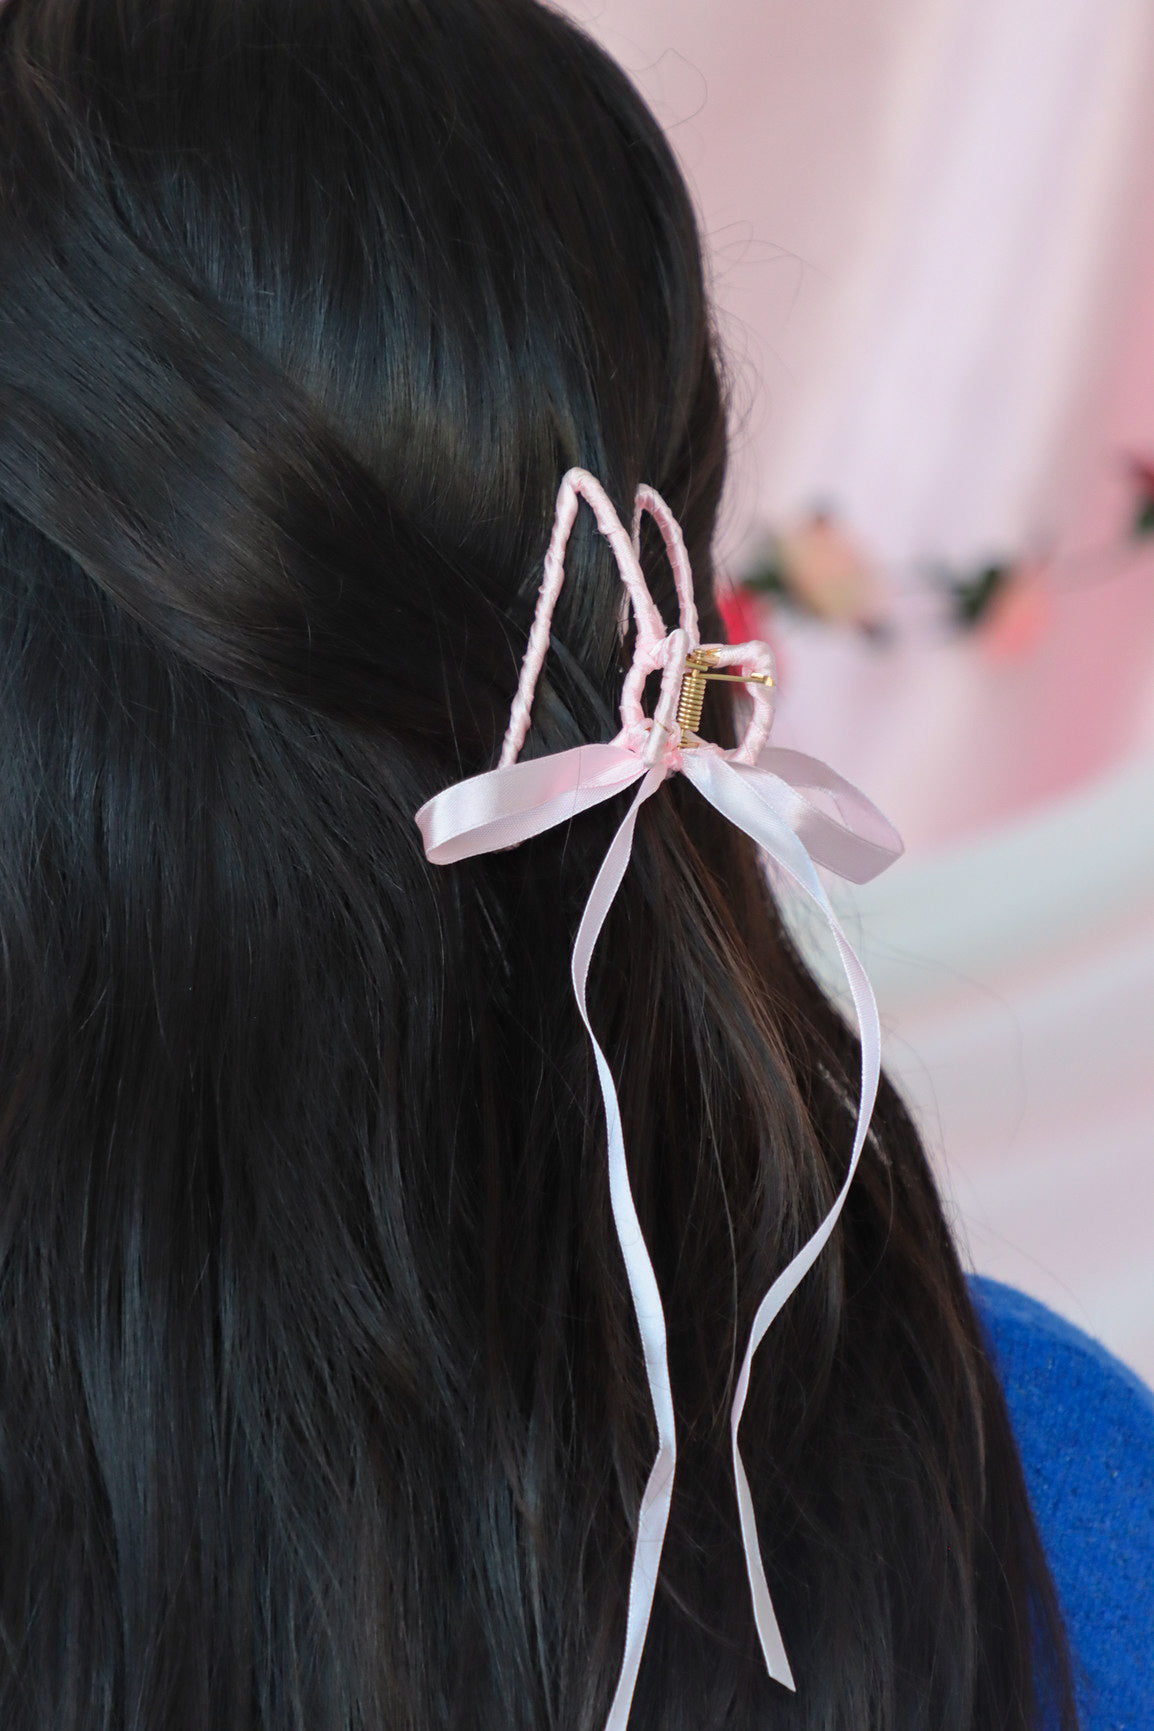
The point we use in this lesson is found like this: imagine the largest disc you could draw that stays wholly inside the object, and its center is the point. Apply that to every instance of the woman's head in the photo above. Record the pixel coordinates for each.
(306, 309)
(320, 1399)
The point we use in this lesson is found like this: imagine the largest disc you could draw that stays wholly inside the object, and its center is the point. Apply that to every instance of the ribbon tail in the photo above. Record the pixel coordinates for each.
(764, 1616)
(749, 801)
(655, 1503)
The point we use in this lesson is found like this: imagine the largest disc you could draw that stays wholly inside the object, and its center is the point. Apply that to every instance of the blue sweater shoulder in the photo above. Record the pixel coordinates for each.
(1085, 1430)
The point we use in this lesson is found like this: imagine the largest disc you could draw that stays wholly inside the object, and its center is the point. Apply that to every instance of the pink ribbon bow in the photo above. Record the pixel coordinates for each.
(768, 793)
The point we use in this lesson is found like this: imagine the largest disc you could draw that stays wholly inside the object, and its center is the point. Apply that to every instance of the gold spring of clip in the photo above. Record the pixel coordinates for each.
(698, 668)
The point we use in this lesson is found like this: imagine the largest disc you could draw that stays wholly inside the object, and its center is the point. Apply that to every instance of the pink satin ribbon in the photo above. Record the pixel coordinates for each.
(774, 799)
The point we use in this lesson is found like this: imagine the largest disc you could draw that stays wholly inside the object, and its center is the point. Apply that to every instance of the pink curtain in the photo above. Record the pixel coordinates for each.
(931, 232)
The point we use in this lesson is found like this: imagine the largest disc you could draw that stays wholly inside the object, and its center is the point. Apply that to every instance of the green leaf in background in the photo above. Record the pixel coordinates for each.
(972, 597)
(768, 578)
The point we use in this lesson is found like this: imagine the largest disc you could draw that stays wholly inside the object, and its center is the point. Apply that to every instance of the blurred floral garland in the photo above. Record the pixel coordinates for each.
(818, 570)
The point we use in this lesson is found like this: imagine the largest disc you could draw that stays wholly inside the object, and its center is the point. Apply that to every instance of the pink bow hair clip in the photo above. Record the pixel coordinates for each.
(766, 792)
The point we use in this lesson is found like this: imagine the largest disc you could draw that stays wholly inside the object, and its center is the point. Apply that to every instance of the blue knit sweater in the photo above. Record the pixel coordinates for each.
(1085, 1429)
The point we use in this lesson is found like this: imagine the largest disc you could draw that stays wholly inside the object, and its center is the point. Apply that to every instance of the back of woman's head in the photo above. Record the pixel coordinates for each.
(320, 1399)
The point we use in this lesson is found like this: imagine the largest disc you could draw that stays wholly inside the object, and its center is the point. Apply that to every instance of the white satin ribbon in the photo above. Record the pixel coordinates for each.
(770, 800)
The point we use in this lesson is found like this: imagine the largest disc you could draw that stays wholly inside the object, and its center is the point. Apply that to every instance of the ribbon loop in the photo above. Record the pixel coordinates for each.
(507, 806)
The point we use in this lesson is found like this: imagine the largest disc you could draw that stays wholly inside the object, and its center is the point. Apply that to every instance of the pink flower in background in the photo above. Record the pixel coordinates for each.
(826, 572)
(1018, 616)
(820, 570)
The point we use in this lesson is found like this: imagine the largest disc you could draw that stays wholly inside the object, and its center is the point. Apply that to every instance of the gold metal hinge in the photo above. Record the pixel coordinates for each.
(699, 668)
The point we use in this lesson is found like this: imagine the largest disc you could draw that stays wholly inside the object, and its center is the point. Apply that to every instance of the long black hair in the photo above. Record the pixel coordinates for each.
(321, 1404)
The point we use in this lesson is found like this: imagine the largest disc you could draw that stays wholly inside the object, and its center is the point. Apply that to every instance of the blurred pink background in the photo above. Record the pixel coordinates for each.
(931, 236)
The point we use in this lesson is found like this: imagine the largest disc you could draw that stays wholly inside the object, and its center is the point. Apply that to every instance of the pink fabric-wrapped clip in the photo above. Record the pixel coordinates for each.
(767, 793)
